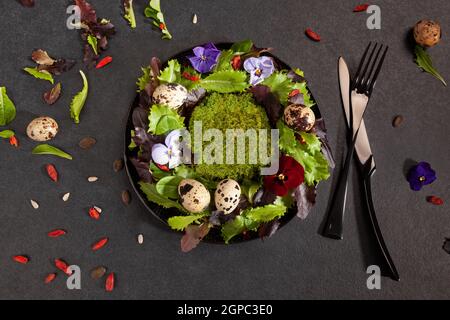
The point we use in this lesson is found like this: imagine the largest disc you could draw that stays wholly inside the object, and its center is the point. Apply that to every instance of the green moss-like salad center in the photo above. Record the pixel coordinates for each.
(229, 111)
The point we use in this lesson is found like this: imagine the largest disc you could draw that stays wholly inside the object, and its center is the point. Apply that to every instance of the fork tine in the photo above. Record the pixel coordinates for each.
(361, 63)
(377, 72)
(374, 64)
(365, 76)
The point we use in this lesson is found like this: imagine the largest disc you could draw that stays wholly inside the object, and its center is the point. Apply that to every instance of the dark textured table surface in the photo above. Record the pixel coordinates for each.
(297, 263)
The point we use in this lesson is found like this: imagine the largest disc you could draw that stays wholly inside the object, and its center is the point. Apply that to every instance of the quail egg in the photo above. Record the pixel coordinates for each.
(427, 33)
(42, 129)
(299, 117)
(227, 195)
(194, 196)
(172, 95)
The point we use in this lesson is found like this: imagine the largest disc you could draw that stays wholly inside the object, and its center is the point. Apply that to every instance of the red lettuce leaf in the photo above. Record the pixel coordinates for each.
(306, 199)
(142, 169)
(268, 229)
(51, 96)
(320, 130)
(60, 66)
(264, 197)
(269, 101)
(194, 234)
(88, 13)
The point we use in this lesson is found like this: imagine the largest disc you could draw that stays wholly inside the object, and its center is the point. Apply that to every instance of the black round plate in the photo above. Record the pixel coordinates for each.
(163, 214)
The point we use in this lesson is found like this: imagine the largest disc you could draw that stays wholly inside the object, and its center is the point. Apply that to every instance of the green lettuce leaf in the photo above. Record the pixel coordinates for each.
(226, 81)
(233, 228)
(129, 13)
(79, 100)
(43, 75)
(93, 42)
(154, 196)
(7, 108)
(171, 73)
(163, 119)
(224, 62)
(240, 48)
(423, 60)
(182, 222)
(308, 155)
(168, 186)
(280, 85)
(144, 79)
(153, 11)
(266, 213)
(51, 150)
(6, 134)
(157, 173)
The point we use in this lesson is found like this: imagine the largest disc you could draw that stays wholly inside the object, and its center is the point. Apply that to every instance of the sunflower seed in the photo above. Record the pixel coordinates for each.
(126, 197)
(398, 120)
(98, 272)
(34, 204)
(66, 196)
(194, 19)
(93, 179)
(98, 209)
(118, 165)
(87, 143)
(140, 238)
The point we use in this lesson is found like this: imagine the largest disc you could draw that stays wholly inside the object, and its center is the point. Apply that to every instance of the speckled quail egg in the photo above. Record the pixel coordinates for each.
(299, 117)
(42, 129)
(172, 95)
(427, 33)
(194, 196)
(227, 196)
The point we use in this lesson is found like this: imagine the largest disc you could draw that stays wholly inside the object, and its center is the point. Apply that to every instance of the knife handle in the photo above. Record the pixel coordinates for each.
(367, 172)
(334, 225)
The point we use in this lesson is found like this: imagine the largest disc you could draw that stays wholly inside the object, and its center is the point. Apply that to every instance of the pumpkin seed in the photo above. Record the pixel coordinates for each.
(87, 143)
(98, 272)
(118, 165)
(34, 204)
(126, 197)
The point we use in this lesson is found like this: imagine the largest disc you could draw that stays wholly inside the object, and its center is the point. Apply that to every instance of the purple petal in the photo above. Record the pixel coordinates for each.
(160, 154)
(254, 79)
(250, 65)
(210, 46)
(198, 51)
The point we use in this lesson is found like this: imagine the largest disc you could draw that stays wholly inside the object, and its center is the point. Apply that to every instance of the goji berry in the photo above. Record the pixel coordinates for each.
(52, 172)
(21, 259)
(99, 244)
(94, 214)
(293, 93)
(105, 61)
(50, 277)
(435, 200)
(63, 266)
(361, 8)
(162, 26)
(236, 62)
(56, 233)
(313, 35)
(109, 284)
(13, 141)
(163, 167)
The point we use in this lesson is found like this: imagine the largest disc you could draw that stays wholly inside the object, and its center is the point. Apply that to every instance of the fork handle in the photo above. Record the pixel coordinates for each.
(367, 172)
(334, 226)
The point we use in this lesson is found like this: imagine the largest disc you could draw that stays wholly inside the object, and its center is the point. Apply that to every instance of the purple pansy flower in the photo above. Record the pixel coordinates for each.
(259, 69)
(204, 58)
(421, 175)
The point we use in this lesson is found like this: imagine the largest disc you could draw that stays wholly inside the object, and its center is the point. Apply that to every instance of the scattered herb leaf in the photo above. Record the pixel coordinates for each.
(43, 74)
(93, 42)
(41, 57)
(7, 108)
(79, 100)
(424, 62)
(129, 13)
(153, 11)
(6, 134)
(51, 96)
(194, 234)
(182, 222)
(43, 149)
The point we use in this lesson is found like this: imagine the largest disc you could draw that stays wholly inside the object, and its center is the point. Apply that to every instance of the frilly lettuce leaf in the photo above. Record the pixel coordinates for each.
(79, 100)
(182, 222)
(163, 119)
(154, 196)
(171, 73)
(225, 81)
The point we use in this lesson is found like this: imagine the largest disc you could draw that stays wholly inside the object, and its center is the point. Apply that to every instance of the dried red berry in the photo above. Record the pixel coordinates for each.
(51, 171)
(105, 61)
(100, 244)
(162, 26)
(236, 62)
(109, 284)
(163, 167)
(13, 141)
(50, 277)
(293, 93)
(313, 35)
(361, 8)
(21, 259)
(56, 233)
(94, 214)
(435, 200)
(63, 266)
(186, 75)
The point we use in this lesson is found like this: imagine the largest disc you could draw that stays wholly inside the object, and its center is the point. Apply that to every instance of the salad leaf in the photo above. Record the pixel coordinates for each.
(153, 11)
(154, 196)
(132, 144)
(144, 79)
(142, 169)
(266, 213)
(79, 100)
(240, 48)
(226, 81)
(171, 73)
(320, 130)
(6, 134)
(182, 222)
(163, 119)
(129, 12)
(51, 150)
(41, 57)
(424, 62)
(51, 96)
(313, 144)
(43, 75)
(92, 41)
(168, 186)
(250, 188)
(7, 108)
(233, 228)
(314, 163)
(194, 234)
(305, 197)
(224, 62)
(269, 101)
(269, 229)
(158, 173)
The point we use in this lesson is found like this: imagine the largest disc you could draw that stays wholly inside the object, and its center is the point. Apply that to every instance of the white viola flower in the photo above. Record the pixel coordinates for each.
(259, 69)
(171, 152)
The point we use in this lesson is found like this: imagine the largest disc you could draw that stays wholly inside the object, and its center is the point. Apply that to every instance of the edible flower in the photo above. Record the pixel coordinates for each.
(290, 175)
(259, 69)
(421, 175)
(204, 58)
(171, 152)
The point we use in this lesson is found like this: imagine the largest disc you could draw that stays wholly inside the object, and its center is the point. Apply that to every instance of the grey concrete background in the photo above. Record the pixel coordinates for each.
(297, 263)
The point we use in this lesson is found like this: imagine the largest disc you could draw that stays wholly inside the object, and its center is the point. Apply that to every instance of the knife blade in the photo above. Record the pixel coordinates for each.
(362, 144)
